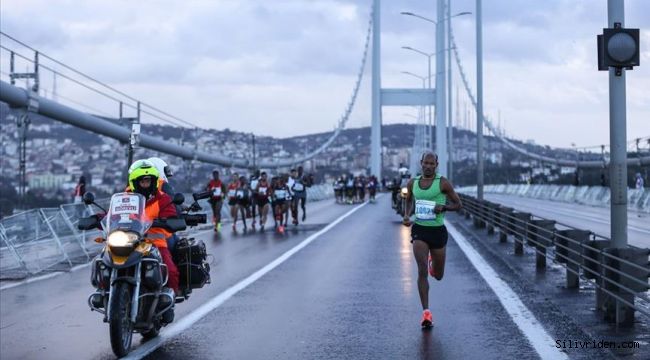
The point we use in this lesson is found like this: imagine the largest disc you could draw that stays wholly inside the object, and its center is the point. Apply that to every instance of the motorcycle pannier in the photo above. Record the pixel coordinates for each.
(190, 258)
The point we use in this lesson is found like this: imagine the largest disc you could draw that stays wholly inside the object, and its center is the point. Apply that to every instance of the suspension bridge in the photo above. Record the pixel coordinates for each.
(561, 270)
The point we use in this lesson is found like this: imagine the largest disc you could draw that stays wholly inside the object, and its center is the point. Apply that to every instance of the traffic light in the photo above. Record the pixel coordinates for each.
(618, 48)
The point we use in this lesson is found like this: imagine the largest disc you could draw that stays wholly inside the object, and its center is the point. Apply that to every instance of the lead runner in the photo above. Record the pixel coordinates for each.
(432, 195)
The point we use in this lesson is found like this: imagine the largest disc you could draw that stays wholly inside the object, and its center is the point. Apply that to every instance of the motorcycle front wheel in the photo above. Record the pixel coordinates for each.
(121, 327)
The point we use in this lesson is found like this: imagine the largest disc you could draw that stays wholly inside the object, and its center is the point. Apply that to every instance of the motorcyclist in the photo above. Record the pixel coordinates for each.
(143, 179)
(165, 172)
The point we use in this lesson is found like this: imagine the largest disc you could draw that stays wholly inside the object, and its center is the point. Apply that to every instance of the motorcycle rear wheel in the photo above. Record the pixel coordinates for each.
(120, 325)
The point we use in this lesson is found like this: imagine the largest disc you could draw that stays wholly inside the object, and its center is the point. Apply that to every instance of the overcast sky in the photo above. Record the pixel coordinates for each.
(287, 67)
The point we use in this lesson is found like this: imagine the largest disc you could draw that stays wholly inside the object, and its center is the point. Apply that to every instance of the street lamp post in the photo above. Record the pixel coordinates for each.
(417, 141)
(429, 143)
(441, 135)
(422, 136)
(479, 100)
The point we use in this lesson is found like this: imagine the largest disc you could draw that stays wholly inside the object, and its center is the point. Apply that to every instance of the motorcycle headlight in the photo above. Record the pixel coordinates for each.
(405, 191)
(122, 239)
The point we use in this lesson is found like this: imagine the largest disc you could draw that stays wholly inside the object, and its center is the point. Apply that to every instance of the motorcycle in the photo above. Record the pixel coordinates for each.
(129, 274)
(401, 201)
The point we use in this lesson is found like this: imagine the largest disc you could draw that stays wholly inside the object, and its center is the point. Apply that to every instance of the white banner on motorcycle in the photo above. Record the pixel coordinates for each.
(125, 204)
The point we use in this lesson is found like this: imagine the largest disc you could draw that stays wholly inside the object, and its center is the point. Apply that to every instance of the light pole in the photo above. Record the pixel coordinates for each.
(479, 100)
(417, 142)
(428, 56)
(441, 132)
(427, 142)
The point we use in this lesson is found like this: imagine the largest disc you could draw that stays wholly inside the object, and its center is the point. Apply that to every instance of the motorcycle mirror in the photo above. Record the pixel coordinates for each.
(89, 198)
(179, 199)
(88, 223)
(202, 195)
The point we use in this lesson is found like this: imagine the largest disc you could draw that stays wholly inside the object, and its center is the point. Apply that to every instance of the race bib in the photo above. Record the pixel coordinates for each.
(298, 187)
(254, 184)
(125, 205)
(280, 194)
(424, 210)
(216, 191)
(262, 191)
(240, 194)
(232, 192)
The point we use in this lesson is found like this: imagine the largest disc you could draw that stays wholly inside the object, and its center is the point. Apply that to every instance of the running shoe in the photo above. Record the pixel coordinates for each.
(219, 227)
(304, 217)
(432, 271)
(427, 319)
(281, 229)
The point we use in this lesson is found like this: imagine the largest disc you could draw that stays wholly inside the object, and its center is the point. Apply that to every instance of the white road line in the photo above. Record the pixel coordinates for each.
(191, 318)
(541, 341)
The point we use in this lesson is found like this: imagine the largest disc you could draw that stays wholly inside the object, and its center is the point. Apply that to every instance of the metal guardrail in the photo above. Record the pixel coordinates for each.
(620, 275)
(47, 239)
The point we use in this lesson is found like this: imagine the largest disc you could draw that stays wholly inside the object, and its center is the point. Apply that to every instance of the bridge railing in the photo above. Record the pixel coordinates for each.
(47, 239)
(637, 199)
(620, 275)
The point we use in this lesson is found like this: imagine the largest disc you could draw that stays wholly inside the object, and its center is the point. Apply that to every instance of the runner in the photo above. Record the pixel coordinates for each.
(243, 195)
(338, 190)
(372, 188)
(232, 199)
(218, 189)
(349, 189)
(261, 193)
(253, 185)
(280, 194)
(432, 196)
(299, 193)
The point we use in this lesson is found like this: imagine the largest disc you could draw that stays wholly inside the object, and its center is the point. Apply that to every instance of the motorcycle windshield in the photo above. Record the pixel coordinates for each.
(127, 213)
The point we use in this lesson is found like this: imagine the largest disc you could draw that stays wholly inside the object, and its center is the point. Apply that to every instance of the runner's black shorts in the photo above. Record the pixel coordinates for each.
(261, 202)
(232, 202)
(434, 236)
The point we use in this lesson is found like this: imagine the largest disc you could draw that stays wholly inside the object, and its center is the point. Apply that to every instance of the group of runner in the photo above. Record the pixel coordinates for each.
(255, 196)
(349, 189)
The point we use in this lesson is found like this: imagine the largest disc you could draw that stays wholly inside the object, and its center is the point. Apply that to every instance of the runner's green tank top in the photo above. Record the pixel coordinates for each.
(425, 202)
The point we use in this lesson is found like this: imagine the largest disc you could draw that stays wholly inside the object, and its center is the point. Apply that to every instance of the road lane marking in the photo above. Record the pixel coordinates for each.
(188, 320)
(539, 339)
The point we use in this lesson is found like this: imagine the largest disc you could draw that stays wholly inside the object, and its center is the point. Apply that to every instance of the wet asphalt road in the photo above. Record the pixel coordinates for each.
(349, 294)
(352, 295)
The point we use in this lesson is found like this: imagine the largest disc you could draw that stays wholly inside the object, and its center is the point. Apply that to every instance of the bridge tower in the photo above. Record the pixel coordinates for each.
(389, 97)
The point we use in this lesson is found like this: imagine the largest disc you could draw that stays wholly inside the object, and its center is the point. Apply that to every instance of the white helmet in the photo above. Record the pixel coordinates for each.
(164, 169)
